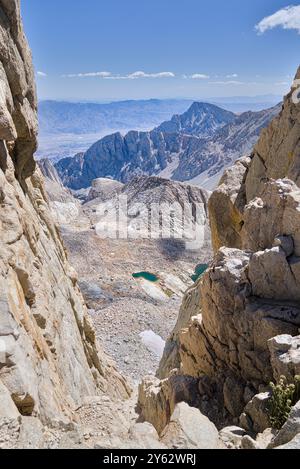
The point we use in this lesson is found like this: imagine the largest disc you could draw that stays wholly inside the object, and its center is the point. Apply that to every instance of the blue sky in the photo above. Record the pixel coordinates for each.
(93, 49)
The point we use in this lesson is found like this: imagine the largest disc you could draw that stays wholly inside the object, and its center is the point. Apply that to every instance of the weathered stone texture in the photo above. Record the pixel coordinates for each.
(49, 357)
(238, 326)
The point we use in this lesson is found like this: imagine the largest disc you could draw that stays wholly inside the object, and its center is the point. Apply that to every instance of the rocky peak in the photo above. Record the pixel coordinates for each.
(201, 120)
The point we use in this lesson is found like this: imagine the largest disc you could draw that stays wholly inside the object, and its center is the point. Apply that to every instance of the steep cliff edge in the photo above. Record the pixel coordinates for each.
(49, 357)
(235, 330)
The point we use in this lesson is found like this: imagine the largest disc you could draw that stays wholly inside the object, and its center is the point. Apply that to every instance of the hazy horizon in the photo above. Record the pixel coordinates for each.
(225, 99)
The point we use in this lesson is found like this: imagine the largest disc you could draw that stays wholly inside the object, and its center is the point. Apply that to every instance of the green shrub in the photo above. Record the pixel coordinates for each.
(284, 397)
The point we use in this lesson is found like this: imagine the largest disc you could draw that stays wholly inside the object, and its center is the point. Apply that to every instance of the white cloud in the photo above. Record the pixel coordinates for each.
(88, 75)
(233, 75)
(196, 76)
(140, 74)
(42, 74)
(286, 18)
(131, 76)
(228, 82)
(199, 76)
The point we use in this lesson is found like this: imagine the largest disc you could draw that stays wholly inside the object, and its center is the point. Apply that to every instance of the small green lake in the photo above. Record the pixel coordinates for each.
(199, 271)
(147, 276)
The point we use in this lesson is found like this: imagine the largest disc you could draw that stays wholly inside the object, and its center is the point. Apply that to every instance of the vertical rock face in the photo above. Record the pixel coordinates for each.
(49, 357)
(18, 101)
(250, 293)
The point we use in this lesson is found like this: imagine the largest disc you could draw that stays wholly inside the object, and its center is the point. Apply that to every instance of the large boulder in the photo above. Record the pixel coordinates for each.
(190, 307)
(144, 436)
(226, 206)
(8, 409)
(232, 436)
(275, 276)
(275, 211)
(158, 399)
(255, 417)
(189, 429)
(285, 356)
(293, 444)
(290, 429)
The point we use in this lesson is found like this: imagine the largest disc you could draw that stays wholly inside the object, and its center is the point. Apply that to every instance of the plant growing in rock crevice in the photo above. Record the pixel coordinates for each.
(284, 396)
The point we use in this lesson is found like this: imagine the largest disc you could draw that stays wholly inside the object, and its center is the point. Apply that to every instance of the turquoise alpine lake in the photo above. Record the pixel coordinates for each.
(199, 271)
(147, 276)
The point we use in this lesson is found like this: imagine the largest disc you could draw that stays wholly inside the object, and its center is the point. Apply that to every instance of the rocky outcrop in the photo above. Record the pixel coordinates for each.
(236, 321)
(56, 192)
(189, 308)
(250, 295)
(239, 324)
(18, 102)
(155, 190)
(274, 158)
(173, 213)
(65, 208)
(189, 429)
(49, 171)
(49, 356)
(104, 189)
(285, 356)
(226, 206)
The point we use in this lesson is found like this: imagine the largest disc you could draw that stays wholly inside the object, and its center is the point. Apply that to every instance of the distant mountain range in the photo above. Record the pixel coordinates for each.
(67, 128)
(194, 146)
(204, 162)
(58, 117)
